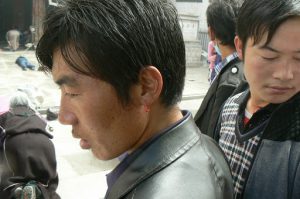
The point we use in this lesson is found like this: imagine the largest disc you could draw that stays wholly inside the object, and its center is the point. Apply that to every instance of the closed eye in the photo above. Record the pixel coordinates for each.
(71, 94)
(63, 91)
(269, 58)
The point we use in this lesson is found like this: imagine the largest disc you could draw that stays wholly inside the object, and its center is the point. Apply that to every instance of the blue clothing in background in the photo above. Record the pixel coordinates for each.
(24, 63)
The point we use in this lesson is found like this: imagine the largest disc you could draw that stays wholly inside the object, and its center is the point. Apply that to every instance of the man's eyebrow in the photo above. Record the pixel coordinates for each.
(266, 47)
(66, 80)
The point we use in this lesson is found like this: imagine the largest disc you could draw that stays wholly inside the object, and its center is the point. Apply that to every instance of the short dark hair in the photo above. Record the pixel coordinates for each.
(115, 39)
(221, 18)
(257, 17)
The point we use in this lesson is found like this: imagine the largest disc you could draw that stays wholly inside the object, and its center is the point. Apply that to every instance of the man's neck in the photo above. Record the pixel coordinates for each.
(253, 105)
(160, 118)
(226, 50)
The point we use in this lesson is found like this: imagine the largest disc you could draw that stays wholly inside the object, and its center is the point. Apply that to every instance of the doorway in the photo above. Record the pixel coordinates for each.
(14, 14)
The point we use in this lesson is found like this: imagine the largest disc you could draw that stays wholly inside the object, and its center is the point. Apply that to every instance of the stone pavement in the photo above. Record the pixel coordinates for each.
(81, 175)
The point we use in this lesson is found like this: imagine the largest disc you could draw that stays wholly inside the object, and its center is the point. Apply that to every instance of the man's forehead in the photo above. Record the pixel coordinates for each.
(70, 59)
(259, 38)
(61, 70)
(57, 59)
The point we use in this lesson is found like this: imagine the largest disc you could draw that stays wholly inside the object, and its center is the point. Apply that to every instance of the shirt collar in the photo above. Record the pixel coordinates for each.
(224, 62)
(257, 122)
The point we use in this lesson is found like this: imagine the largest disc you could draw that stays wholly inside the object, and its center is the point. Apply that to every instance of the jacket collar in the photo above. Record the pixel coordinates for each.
(285, 121)
(282, 122)
(162, 152)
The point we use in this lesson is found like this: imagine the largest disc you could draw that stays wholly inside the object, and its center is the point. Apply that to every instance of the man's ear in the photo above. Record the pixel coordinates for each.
(151, 83)
(211, 33)
(239, 47)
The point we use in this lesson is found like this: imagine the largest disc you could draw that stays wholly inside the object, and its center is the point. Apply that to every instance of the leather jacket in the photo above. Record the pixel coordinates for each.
(228, 80)
(182, 163)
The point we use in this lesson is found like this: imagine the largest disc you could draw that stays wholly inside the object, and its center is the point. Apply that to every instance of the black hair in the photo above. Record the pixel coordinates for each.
(221, 18)
(258, 17)
(115, 39)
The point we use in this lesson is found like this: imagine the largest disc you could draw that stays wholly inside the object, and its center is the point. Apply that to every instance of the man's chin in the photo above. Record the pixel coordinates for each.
(102, 157)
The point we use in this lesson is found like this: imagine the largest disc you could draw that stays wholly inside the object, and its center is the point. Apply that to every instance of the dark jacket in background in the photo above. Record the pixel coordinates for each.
(225, 84)
(28, 153)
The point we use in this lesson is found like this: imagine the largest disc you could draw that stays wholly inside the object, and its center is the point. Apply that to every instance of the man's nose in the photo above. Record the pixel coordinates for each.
(65, 116)
(284, 71)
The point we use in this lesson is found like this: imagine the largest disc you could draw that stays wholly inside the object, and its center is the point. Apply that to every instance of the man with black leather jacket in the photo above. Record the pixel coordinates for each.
(221, 21)
(121, 68)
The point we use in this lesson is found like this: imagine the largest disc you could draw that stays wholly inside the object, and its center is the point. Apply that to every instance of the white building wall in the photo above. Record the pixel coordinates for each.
(195, 9)
(193, 21)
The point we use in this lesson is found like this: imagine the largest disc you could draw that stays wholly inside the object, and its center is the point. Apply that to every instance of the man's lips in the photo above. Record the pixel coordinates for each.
(84, 144)
(279, 89)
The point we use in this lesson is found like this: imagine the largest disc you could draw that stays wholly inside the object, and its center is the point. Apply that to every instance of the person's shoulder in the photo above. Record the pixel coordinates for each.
(211, 149)
(236, 98)
(202, 172)
(201, 167)
(31, 144)
(186, 156)
(232, 74)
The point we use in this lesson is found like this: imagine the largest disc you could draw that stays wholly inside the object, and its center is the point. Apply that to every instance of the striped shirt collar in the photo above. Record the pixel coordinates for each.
(224, 62)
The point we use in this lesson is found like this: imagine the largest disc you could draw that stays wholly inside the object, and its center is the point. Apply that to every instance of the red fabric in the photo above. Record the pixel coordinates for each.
(246, 120)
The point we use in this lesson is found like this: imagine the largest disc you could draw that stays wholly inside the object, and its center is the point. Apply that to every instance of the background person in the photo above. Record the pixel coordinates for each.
(213, 58)
(221, 21)
(13, 39)
(29, 162)
(259, 128)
